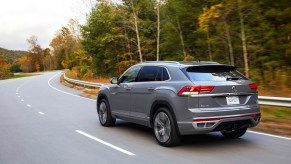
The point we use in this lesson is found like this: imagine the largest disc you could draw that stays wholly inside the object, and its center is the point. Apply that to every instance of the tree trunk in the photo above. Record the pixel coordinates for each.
(158, 30)
(243, 38)
(181, 38)
(229, 43)
(136, 30)
(209, 46)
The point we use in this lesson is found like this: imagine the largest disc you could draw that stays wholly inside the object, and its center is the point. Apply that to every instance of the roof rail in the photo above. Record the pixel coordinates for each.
(173, 62)
(198, 62)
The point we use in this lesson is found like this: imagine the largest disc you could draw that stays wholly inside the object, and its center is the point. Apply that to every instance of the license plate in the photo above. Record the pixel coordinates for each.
(232, 100)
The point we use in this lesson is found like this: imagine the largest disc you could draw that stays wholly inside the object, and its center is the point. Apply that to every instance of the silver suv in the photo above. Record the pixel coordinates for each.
(181, 98)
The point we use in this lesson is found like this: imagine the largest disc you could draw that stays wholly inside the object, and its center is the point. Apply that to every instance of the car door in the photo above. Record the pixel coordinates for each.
(143, 92)
(120, 93)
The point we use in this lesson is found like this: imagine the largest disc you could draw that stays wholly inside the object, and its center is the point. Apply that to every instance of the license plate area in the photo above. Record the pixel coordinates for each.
(232, 100)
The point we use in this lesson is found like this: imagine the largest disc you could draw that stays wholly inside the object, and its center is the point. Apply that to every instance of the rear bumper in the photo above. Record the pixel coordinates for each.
(200, 125)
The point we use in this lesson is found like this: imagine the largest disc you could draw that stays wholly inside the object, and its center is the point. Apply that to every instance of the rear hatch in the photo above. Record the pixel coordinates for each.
(220, 87)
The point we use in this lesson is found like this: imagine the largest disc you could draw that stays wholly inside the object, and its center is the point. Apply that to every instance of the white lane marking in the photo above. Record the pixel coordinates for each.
(22, 100)
(17, 89)
(17, 93)
(64, 91)
(18, 96)
(105, 143)
(28, 105)
(41, 113)
(270, 135)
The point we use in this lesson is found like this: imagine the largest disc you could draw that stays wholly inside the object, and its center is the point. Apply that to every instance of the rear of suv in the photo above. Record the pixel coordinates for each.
(181, 98)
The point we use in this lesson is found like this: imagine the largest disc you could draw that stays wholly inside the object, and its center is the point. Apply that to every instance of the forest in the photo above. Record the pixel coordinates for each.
(252, 35)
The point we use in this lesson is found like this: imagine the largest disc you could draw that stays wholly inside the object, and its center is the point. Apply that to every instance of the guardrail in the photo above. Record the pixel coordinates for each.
(263, 100)
(82, 83)
(275, 101)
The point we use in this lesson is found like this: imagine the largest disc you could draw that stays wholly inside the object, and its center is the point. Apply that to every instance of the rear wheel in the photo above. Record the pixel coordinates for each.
(104, 113)
(165, 131)
(233, 134)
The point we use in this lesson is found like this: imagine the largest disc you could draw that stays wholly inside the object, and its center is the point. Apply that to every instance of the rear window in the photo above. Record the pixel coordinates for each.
(214, 73)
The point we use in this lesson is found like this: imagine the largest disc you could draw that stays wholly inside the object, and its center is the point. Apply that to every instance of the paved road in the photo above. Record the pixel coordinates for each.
(42, 121)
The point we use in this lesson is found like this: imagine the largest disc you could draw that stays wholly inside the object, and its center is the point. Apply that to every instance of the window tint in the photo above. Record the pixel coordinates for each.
(165, 74)
(150, 73)
(153, 73)
(214, 73)
(130, 75)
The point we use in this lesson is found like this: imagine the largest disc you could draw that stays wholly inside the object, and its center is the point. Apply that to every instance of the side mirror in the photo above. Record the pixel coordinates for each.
(114, 80)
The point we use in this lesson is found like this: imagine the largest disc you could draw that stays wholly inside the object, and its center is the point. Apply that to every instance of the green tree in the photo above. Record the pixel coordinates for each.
(4, 68)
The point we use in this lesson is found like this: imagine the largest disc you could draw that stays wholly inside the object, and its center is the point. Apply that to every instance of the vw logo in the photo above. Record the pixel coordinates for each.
(234, 89)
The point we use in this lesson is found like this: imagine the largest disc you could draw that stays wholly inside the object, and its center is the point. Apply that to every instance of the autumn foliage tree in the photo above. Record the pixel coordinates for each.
(33, 60)
(65, 42)
(4, 68)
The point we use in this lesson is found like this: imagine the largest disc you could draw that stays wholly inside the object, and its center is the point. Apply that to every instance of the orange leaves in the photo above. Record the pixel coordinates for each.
(4, 68)
(209, 16)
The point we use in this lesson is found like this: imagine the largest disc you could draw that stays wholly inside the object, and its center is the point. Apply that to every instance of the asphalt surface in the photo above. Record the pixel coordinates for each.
(42, 121)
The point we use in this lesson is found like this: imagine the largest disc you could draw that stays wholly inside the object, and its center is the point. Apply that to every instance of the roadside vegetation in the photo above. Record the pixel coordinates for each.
(252, 35)
(276, 120)
(20, 75)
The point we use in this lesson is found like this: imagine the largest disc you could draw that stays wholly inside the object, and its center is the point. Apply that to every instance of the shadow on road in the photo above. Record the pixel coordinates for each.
(201, 141)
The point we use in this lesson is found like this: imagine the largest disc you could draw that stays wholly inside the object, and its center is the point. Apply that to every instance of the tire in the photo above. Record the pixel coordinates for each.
(164, 128)
(104, 114)
(234, 133)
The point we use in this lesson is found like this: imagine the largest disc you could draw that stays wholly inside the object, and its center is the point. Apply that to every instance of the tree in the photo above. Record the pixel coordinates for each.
(243, 37)
(82, 62)
(136, 30)
(158, 29)
(36, 54)
(49, 61)
(104, 37)
(205, 19)
(26, 63)
(65, 42)
(4, 68)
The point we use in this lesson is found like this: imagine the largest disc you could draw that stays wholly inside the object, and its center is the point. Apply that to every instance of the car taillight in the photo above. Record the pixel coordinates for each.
(187, 90)
(255, 115)
(253, 86)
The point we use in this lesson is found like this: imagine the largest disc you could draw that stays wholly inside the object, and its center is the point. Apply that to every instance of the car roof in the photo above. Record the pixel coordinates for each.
(181, 64)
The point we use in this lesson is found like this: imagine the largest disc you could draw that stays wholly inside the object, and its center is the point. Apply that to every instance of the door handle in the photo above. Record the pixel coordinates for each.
(151, 88)
(127, 88)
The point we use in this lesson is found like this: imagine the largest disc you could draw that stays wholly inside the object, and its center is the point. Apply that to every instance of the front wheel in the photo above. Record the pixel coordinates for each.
(233, 134)
(104, 113)
(165, 131)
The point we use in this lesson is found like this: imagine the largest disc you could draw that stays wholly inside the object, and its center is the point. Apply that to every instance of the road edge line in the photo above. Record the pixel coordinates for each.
(105, 143)
(270, 135)
(64, 91)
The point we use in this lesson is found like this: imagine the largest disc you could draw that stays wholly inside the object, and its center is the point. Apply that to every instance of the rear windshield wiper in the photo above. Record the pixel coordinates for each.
(231, 78)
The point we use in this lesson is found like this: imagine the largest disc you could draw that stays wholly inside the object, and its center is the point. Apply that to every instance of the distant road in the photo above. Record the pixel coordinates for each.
(42, 121)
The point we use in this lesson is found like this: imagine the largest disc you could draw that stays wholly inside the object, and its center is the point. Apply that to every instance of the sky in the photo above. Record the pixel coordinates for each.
(20, 19)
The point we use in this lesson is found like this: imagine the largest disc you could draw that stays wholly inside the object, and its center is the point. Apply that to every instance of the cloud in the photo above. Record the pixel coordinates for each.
(22, 19)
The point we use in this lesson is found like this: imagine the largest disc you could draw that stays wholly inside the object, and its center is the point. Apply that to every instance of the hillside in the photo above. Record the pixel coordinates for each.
(11, 55)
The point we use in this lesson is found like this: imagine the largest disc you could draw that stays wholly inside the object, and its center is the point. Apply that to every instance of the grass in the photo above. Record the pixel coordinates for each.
(21, 75)
(271, 113)
(275, 120)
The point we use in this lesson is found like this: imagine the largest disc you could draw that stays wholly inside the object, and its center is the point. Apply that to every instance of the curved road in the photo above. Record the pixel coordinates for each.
(42, 121)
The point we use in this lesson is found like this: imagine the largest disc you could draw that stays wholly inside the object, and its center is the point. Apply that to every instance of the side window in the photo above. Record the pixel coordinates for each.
(150, 73)
(130, 75)
(165, 74)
